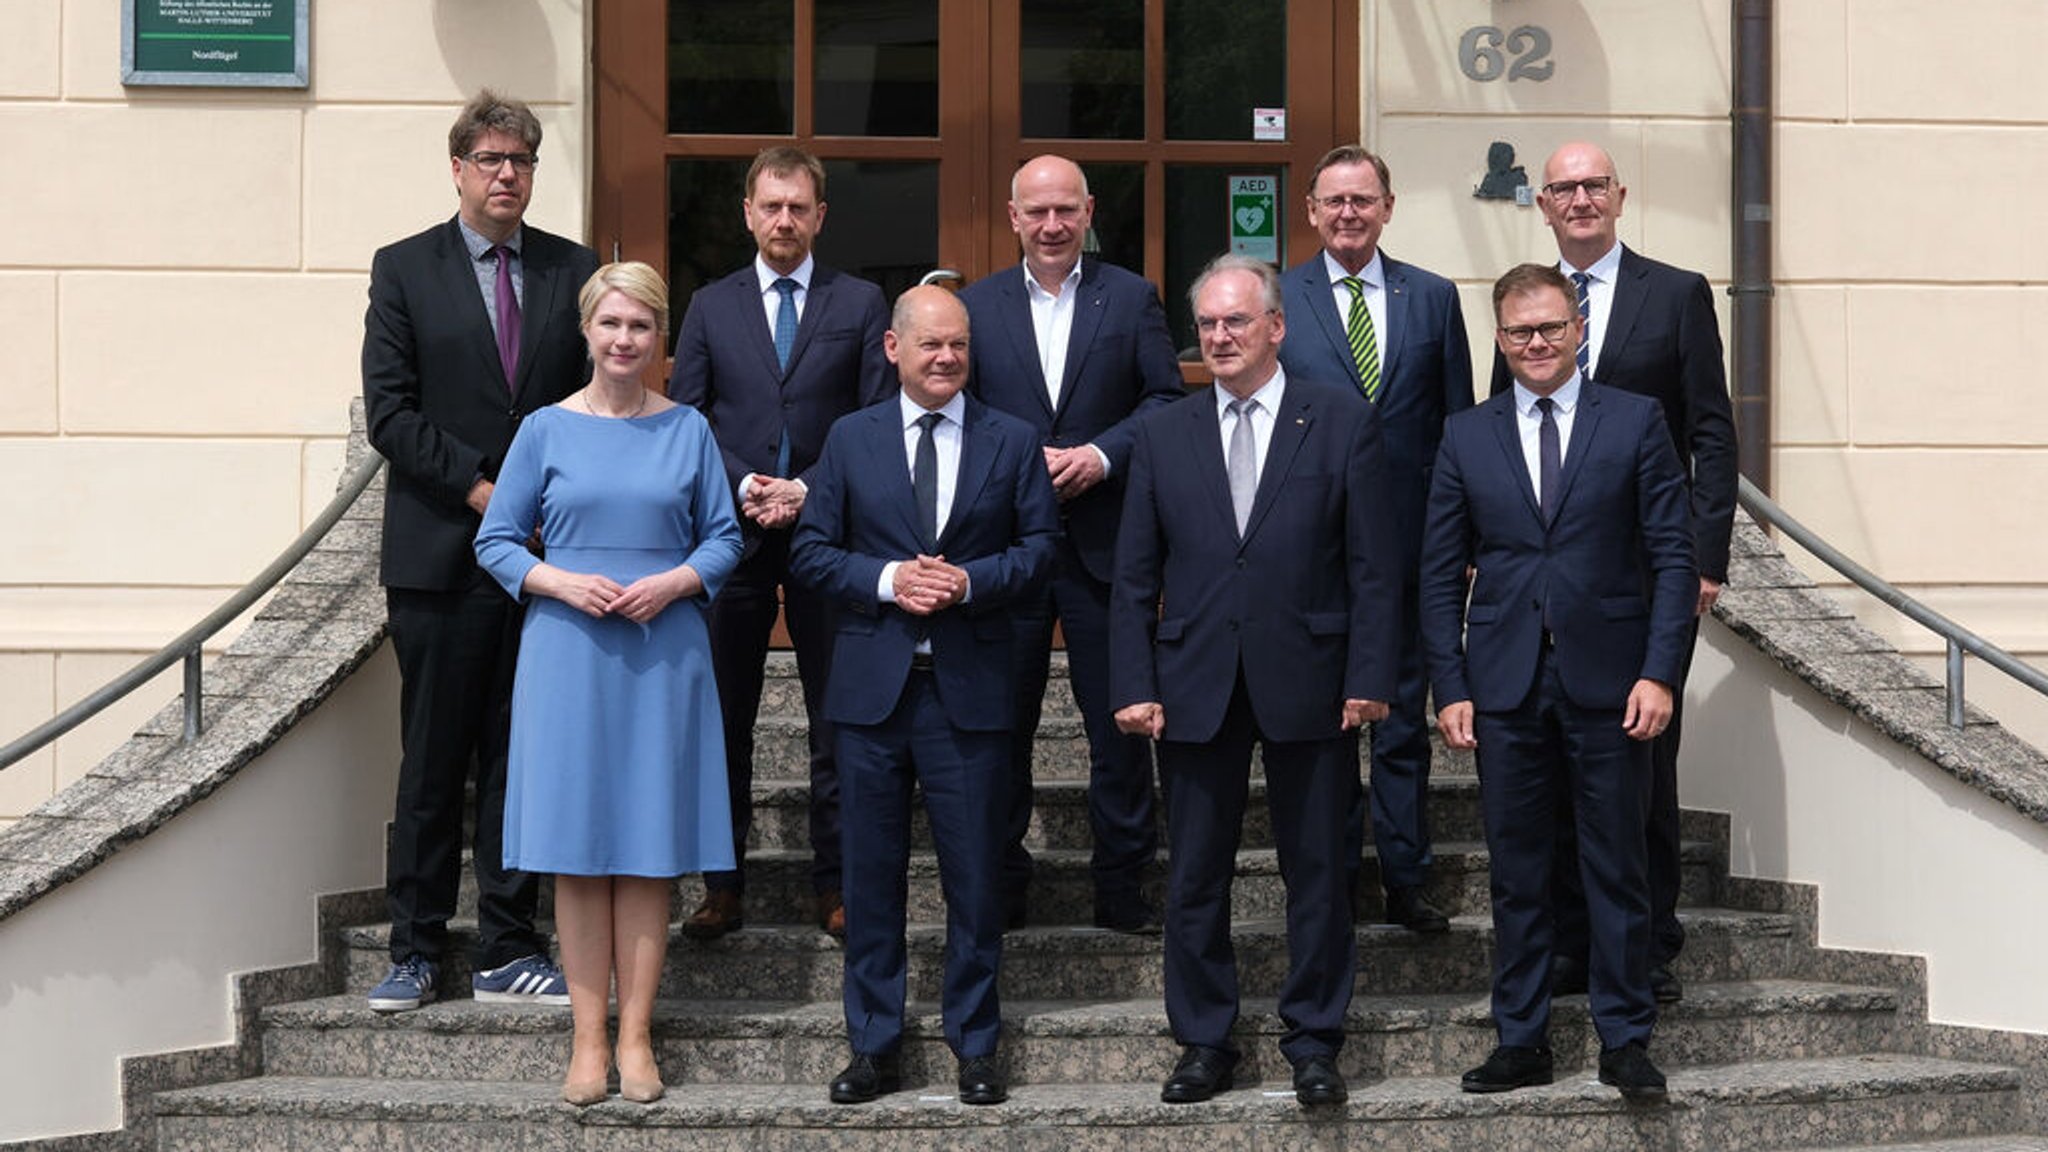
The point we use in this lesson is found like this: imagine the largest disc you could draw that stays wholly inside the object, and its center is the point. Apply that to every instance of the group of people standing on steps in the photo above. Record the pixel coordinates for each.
(583, 575)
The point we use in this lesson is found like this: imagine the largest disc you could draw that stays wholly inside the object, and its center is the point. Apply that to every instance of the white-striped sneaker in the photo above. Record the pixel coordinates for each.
(527, 980)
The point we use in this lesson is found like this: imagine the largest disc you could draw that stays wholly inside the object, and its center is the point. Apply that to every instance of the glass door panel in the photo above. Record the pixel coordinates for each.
(1223, 59)
(1198, 217)
(876, 68)
(881, 221)
(730, 66)
(1083, 69)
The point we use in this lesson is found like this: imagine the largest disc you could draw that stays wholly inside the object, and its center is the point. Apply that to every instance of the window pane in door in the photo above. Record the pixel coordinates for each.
(1223, 59)
(1083, 67)
(1118, 233)
(707, 237)
(1197, 231)
(882, 221)
(877, 70)
(731, 65)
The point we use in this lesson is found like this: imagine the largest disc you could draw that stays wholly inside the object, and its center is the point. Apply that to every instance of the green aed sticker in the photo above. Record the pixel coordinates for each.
(1254, 217)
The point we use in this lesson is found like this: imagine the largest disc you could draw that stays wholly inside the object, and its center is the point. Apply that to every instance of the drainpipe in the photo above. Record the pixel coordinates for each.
(1752, 289)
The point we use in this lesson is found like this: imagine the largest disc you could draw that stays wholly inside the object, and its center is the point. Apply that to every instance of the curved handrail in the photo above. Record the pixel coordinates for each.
(186, 646)
(1959, 639)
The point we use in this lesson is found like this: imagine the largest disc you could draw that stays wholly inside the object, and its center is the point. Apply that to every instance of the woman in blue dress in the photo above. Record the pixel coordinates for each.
(616, 780)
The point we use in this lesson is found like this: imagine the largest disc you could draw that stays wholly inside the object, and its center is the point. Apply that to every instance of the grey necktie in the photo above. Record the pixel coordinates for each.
(1243, 461)
(1584, 284)
(1549, 460)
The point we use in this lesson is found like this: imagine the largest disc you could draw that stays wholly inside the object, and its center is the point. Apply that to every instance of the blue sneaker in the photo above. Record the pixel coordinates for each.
(527, 980)
(409, 984)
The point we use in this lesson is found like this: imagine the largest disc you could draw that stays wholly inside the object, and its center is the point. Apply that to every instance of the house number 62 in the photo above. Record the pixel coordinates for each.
(1484, 52)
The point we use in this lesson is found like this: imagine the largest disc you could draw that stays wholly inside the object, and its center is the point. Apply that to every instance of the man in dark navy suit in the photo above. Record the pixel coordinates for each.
(472, 324)
(1075, 348)
(1257, 586)
(929, 521)
(1395, 333)
(772, 355)
(1650, 330)
(1566, 499)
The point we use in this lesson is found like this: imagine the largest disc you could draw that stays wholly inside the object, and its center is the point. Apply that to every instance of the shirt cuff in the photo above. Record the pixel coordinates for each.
(885, 588)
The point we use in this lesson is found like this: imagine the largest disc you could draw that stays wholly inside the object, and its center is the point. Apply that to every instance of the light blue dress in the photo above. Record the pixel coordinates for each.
(617, 757)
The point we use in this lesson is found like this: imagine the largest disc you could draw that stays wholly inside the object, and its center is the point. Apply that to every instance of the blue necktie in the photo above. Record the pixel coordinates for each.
(785, 342)
(1584, 284)
(1549, 460)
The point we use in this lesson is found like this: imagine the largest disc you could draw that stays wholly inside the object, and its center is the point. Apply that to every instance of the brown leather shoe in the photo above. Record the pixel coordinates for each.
(716, 916)
(832, 915)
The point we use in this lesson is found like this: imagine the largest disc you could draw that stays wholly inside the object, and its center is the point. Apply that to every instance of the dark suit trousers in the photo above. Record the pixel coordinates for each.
(456, 652)
(1306, 787)
(1400, 768)
(1535, 760)
(740, 621)
(962, 776)
(1667, 934)
(1120, 807)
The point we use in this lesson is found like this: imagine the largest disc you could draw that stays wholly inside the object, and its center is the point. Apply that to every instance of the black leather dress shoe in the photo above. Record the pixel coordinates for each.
(1407, 908)
(1126, 912)
(1664, 986)
(1629, 1069)
(865, 1078)
(1317, 1082)
(1510, 1068)
(1016, 911)
(982, 1081)
(1567, 976)
(1201, 1074)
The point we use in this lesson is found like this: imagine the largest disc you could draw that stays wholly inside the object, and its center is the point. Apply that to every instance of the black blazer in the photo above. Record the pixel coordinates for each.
(1308, 604)
(1120, 362)
(1662, 342)
(437, 402)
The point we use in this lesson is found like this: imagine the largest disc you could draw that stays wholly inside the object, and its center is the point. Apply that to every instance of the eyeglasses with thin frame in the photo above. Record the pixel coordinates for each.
(1355, 203)
(1519, 335)
(522, 162)
(1595, 188)
(1233, 325)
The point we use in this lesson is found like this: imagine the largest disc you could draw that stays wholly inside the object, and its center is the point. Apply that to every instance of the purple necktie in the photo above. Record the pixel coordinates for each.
(508, 317)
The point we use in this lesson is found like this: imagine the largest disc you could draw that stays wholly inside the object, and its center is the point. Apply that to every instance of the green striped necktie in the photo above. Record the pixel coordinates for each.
(1365, 349)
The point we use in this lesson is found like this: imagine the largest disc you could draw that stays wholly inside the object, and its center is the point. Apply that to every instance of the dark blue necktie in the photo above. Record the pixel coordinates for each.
(924, 480)
(1584, 284)
(1549, 460)
(785, 342)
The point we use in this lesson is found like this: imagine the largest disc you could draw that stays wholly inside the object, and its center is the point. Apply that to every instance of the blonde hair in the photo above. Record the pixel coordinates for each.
(640, 283)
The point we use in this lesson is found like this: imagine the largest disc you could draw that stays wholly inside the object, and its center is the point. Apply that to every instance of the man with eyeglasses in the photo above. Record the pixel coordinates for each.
(1075, 348)
(1257, 583)
(472, 324)
(1396, 335)
(1650, 329)
(772, 355)
(1560, 667)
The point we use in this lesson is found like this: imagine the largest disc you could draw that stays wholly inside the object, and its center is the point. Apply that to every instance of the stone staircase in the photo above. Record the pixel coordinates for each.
(1777, 1045)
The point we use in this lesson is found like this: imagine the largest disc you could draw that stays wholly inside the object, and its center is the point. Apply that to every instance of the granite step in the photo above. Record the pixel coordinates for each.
(1048, 1041)
(1772, 1104)
(1068, 962)
(780, 889)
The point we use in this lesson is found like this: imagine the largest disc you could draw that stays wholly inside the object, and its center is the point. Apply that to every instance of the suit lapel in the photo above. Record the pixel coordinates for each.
(888, 433)
(1396, 274)
(539, 280)
(1323, 306)
(818, 298)
(1088, 309)
(753, 319)
(1622, 311)
(1507, 433)
(977, 460)
(1015, 320)
(1205, 452)
(1290, 428)
(1585, 426)
(459, 281)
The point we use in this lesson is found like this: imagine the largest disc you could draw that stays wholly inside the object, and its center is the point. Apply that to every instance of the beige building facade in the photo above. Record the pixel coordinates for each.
(182, 276)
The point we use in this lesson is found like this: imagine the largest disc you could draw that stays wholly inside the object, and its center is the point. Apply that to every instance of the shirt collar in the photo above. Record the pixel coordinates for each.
(954, 409)
(1605, 270)
(1269, 395)
(1565, 398)
(768, 276)
(1034, 289)
(1373, 275)
(478, 244)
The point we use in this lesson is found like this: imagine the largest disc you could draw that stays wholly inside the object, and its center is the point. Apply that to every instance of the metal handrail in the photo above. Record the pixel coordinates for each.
(1959, 639)
(187, 645)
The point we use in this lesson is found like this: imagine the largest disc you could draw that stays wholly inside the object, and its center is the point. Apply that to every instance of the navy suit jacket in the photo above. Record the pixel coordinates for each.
(1307, 604)
(435, 395)
(1614, 565)
(725, 368)
(860, 515)
(1120, 361)
(1425, 369)
(1662, 342)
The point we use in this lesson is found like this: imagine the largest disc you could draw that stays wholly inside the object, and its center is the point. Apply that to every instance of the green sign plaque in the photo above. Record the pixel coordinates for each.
(215, 43)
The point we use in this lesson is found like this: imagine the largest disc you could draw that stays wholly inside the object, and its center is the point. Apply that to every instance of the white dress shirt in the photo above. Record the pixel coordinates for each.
(1268, 396)
(1600, 295)
(1529, 422)
(1052, 322)
(946, 441)
(1374, 277)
